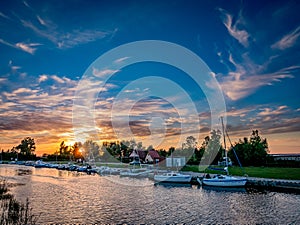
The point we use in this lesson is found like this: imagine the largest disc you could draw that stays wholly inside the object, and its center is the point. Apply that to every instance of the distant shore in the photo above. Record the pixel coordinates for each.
(273, 178)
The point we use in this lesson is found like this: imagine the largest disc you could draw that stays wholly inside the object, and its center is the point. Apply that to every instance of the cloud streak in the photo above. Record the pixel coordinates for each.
(246, 73)
(288, 40)
(248, 77)
(233, 28)
(65, 40)
(26, 47)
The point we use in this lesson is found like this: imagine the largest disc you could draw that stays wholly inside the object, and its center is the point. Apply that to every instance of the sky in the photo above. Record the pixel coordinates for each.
(56, 87)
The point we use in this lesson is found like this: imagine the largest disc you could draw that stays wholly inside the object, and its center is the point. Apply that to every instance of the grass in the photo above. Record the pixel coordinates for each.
(269, 172)
(263, 172)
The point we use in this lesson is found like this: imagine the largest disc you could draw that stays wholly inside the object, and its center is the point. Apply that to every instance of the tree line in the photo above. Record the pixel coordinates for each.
(252, 151)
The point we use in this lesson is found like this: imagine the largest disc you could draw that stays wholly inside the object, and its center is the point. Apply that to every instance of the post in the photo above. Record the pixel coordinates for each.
(226, 158)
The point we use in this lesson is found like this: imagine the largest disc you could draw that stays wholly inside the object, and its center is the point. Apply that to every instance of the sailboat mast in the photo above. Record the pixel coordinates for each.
(223, 131)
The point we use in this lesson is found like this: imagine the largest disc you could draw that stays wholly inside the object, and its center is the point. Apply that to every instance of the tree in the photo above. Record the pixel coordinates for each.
(125, 149)
(27, 147)
(90, 150)
(212, 146)
(162, 152)
(190, 142)
(64, 151)
(171, 150)
(190, 146)
(250, 152)
(150, 147)
(76, 153)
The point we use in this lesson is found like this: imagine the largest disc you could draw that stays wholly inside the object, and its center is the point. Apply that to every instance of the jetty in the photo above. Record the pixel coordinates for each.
(274, 184)
(259, 183)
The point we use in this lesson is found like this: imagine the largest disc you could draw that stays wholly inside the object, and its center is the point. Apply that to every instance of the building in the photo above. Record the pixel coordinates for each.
(286, 157)
(153, 157)
(175, 161)
(138, 155)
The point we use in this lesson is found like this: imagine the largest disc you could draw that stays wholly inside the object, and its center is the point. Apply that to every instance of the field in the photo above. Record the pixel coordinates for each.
(263, 172)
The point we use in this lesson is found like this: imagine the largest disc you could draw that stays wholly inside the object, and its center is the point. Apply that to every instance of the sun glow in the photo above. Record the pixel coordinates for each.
(69, 143)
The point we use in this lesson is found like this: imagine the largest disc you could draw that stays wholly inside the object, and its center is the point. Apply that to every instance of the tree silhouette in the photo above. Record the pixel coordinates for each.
(213, 148)
(90, 150)
(250, 152)
(27, 147)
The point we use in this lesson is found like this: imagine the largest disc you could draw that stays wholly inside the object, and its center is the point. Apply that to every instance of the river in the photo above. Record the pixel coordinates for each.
(63, 197)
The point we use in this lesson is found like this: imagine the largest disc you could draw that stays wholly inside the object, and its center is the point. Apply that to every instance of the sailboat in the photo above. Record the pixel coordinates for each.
(173, 177)
(224, 180)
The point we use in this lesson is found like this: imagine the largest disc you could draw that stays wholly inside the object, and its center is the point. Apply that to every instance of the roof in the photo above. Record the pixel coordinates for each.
(133, 154)
(138, 153)
(154, 154)
(142, 154)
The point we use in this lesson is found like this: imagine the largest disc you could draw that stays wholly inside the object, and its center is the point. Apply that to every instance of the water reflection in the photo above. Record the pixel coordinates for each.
(226, 189)
(64, 197)
(172, 185)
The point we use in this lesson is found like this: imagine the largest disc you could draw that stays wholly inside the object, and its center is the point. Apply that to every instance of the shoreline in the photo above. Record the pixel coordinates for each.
(280, 185)
(259, 183)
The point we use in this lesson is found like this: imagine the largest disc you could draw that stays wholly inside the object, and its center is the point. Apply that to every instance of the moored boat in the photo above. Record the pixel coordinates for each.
(173, 177)
(225, 181)
(135, 173)
(40, 164)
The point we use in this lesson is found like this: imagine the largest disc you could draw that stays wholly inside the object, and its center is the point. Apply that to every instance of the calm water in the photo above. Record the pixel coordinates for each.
(70, 197)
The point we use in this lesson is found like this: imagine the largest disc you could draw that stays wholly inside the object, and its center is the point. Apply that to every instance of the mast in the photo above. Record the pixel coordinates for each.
(226, 158)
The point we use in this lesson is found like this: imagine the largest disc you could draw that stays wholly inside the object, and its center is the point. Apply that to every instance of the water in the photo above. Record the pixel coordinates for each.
(64, 197)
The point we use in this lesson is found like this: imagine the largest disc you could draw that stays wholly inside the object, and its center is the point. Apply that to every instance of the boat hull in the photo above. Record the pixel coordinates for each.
(225, 181)
(183, 179)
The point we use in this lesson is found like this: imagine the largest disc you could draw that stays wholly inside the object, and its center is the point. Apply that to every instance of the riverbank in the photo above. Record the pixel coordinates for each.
(285, 173)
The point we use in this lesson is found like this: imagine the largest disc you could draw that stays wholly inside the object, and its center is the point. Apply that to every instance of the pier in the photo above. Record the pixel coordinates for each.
(275, 184)
(255, 182)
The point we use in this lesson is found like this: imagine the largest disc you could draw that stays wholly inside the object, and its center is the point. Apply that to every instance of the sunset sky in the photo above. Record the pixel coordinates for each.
(251, 47)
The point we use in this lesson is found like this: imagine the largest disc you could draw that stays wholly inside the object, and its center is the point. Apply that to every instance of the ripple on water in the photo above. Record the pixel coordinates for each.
(68, 197)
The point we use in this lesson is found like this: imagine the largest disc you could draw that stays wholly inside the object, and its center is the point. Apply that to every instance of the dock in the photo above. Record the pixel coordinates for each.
(275, 184)
(254, 182)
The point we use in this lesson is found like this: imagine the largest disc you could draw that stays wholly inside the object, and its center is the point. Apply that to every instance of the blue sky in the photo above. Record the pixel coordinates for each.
(251, 47)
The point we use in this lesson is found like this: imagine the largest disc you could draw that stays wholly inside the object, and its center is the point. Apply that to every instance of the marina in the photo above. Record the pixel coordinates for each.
(161, 175)
(61, 196)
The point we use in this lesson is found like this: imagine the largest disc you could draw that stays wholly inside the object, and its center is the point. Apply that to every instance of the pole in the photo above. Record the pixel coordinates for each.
(226, 158)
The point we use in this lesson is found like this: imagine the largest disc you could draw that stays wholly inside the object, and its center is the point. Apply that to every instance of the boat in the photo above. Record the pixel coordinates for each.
(135, 173)
(40, 164)
(173, 177)
(224, 180)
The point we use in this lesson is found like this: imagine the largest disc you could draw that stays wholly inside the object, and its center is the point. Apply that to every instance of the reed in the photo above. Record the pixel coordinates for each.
(12, 211)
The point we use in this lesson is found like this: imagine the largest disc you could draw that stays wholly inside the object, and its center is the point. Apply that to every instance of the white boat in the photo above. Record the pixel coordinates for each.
(135, 173)
(224, 180)
(173, 177)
